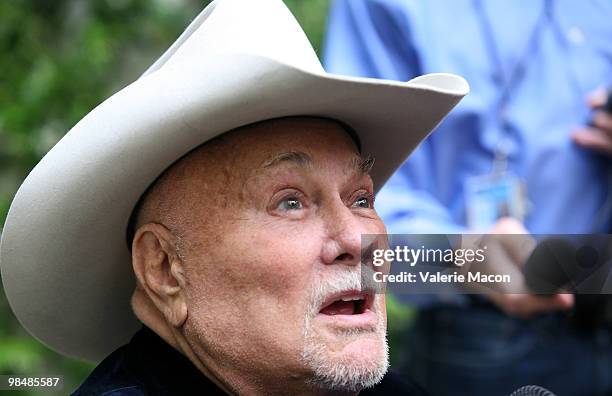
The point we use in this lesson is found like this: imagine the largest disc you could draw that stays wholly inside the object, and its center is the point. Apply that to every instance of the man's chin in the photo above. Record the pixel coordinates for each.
(346, 359)
(357, 347)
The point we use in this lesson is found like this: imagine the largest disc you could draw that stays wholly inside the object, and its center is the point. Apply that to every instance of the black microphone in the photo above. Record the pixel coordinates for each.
(578, 264)
(551, 266)
(532, 390)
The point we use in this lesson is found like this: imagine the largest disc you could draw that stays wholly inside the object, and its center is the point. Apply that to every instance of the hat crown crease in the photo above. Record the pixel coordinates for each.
(257, 27)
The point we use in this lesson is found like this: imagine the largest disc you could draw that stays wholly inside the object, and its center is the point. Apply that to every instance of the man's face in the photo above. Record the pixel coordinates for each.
(271, 247)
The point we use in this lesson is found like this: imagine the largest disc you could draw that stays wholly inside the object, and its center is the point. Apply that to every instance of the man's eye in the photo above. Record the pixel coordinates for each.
(363, 202)
(290, 204)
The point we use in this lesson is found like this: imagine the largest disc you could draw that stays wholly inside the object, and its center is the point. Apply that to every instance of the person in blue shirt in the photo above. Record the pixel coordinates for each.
(533, 67)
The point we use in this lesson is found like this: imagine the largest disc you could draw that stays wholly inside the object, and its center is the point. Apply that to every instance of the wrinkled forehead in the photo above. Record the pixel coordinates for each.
(294, 139)
(293, 133)
(224, 163)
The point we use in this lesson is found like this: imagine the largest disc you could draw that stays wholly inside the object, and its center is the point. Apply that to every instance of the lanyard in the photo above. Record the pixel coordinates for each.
(508, 82)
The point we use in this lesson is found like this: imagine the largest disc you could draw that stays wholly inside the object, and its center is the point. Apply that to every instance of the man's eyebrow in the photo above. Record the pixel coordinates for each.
(362, 164)
(297, 157)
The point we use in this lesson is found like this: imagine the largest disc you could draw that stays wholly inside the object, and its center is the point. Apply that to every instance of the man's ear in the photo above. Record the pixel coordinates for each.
(159, 271)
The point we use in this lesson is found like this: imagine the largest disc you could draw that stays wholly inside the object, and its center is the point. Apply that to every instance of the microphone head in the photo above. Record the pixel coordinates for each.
(532, 390)
(551, 265)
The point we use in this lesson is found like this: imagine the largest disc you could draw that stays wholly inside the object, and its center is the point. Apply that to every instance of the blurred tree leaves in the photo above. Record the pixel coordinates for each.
(60, 59)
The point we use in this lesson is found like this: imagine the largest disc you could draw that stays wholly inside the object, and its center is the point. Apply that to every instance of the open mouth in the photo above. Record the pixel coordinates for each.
(347, 303)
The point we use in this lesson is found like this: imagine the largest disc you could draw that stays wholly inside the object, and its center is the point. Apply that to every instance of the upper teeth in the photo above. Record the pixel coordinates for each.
(351, 298)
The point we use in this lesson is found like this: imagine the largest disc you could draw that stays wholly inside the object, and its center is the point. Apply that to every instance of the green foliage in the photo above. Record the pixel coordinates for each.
(399, 319)
(312, 15)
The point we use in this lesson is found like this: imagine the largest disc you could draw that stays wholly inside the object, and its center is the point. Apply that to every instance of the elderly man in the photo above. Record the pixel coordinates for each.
(243, 176)
(246, 256)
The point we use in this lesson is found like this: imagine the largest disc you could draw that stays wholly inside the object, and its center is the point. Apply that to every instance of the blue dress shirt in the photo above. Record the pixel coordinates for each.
(530, 64)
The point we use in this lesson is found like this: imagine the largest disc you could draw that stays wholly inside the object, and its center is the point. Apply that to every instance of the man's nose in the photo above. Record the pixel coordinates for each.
(343, 236)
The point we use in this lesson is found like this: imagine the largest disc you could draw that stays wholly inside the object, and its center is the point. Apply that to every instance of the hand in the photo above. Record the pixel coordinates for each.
(597, 137)
(510, 254)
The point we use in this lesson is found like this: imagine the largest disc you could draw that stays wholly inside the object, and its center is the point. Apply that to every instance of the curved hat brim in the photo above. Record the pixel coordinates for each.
(65, 265)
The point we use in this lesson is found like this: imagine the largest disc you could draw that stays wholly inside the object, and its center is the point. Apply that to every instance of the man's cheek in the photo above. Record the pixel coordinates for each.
(376, 226)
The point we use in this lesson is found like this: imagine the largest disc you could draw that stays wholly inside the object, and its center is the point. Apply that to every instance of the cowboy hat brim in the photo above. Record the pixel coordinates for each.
(65, 265)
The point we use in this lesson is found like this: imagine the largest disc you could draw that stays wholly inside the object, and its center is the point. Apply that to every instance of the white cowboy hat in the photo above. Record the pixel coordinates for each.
(65, 263)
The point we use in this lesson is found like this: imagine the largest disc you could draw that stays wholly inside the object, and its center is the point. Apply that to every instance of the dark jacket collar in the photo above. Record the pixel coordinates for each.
(150, 366)
(151, 358)
(147, 366)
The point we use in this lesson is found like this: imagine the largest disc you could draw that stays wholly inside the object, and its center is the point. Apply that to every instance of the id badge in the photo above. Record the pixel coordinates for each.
(491, 197)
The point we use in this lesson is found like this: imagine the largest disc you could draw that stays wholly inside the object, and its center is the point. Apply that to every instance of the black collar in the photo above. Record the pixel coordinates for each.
(148, 365)
(163, 368)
